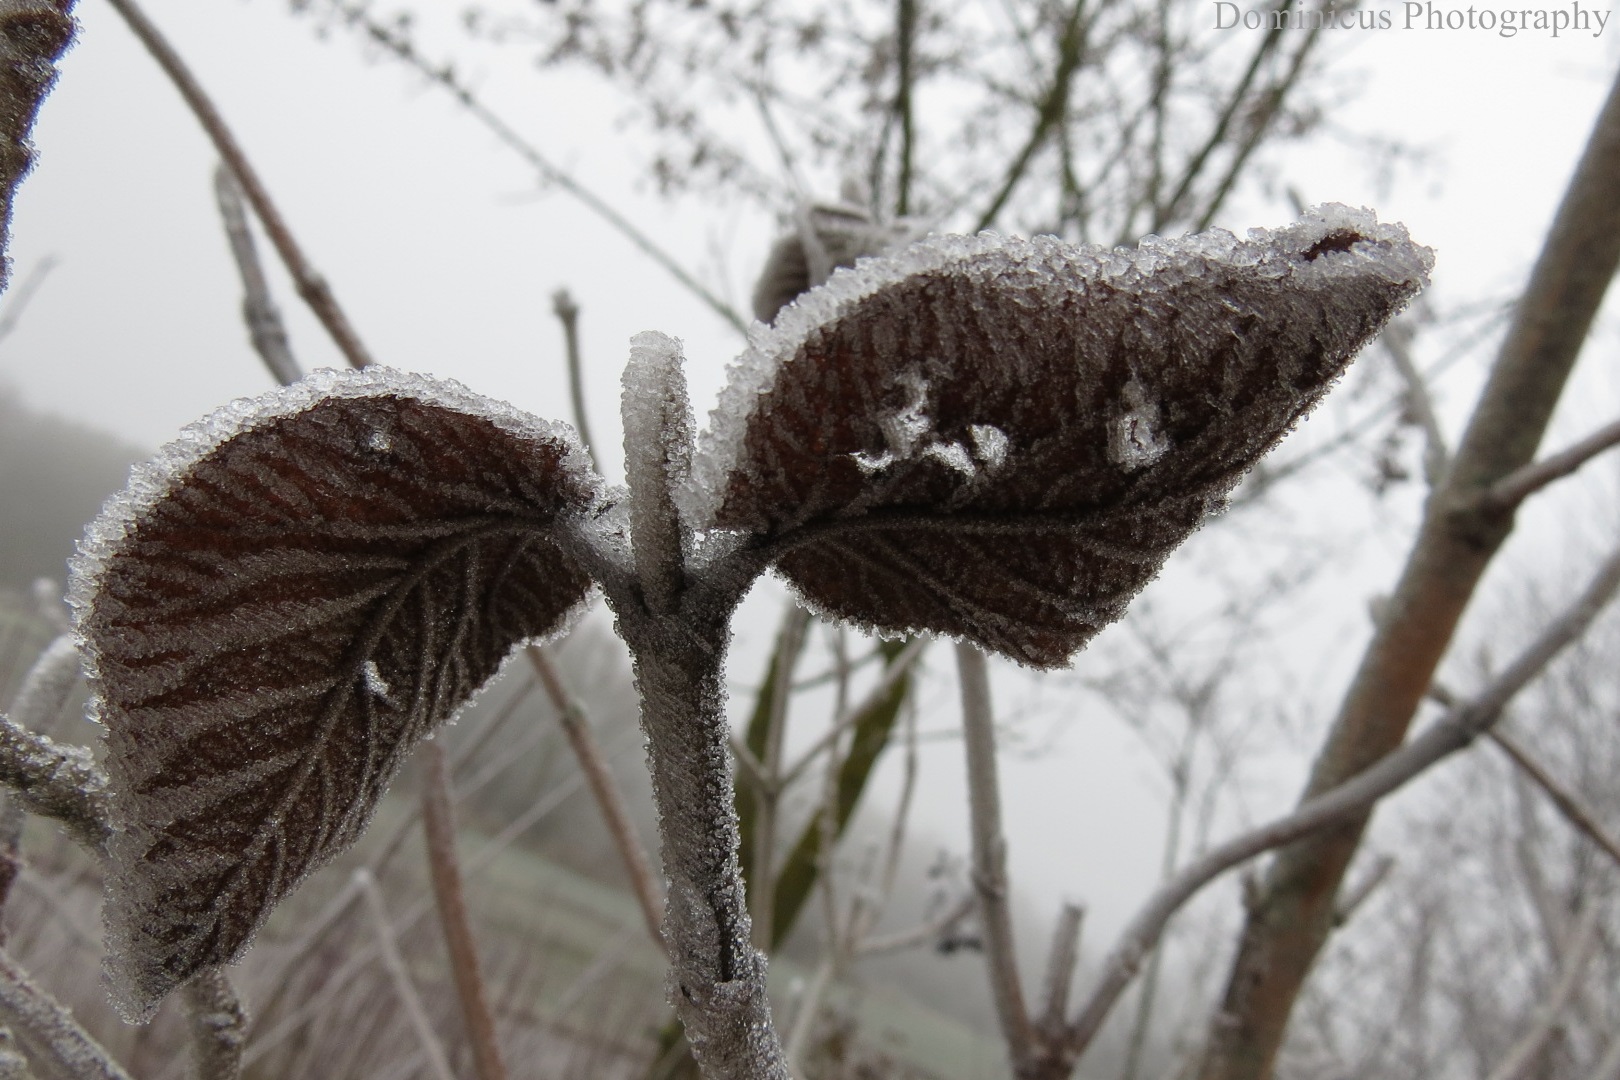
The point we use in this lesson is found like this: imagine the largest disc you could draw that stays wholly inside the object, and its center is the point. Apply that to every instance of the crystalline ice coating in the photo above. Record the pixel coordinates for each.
(375, 683)
(952, 454)
(1135, 441)
(1096, 401)
(238, 605)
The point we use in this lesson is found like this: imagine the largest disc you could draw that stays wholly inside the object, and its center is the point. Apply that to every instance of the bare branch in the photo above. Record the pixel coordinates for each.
(1520, 484)
(24, 294)
(1049, 115)
(919, 935)
(1457, 542)
(311, 286)
(1347, 802)
(905, 37)
(48, 1031)
(568, 314)
(896, 670)
(404, 988)
(442, 76)
(50, 779)
(1061, 959)
(990, 855)
(1583, 942)
(439, 822)
(1569, 804)
(218, 1025)
(259, 311)
(605, 789)
(1397, 341)
(13, 1066)
(1357, 894)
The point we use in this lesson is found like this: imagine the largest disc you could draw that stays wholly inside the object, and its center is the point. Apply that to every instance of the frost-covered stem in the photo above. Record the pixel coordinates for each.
(1583, 941)
(401, 976)
(1569, 804)
(33, 36)
(990, 856)
(259, 311)
(567, 312)
(605, 789)
(312, 287)
(58, 782)
(717, 977)
(439, 823)
(218, 1026)
(48, 1030)
(657, 456)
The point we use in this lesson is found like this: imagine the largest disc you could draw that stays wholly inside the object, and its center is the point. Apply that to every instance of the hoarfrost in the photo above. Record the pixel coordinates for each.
(1114, 393)
(220, 600)
(1135, 441)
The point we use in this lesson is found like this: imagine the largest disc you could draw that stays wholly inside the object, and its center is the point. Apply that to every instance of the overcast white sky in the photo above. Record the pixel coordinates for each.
(436, 241)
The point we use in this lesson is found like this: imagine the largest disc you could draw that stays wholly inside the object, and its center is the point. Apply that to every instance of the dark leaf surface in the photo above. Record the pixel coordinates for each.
(1002, 440)
(276, 610)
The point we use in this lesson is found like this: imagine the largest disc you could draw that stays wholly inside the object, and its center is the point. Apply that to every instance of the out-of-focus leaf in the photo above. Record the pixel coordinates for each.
(1002, 440)
(276, 610)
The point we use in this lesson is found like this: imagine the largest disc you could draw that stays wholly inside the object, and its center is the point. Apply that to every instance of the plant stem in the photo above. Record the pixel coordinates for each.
(311, 285)
(718, 977)
(439, 823)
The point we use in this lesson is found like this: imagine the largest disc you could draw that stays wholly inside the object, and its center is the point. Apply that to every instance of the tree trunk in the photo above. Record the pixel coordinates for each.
(1293, 913)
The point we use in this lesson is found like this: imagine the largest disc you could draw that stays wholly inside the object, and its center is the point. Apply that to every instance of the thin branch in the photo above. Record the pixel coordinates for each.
(1520, 484)
(1061, 961)
(1569, 804)
(218, 1025)
(1397, 341)
(1258, 125)
(921, 934)
(1583, 942)
(259, 311)
(1049, 115)
(13, 819)
(1357, 894)
(605, 789)
(311, 286)
(415, 1011)
(990, 855)
(762, 878)
(1344, 803)
(48, 1031)
(56, 781)
(24, 294)
(439, 823)
(402, 49)
(905, 39)
(567, 312)
(902, 663)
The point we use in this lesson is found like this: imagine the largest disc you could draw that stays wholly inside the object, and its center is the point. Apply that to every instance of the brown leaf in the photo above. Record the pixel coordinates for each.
(276, 611)
(1002, 440)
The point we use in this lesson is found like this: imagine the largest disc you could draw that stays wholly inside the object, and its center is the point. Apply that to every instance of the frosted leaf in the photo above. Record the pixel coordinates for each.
(1113, 396)
(276, 610)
